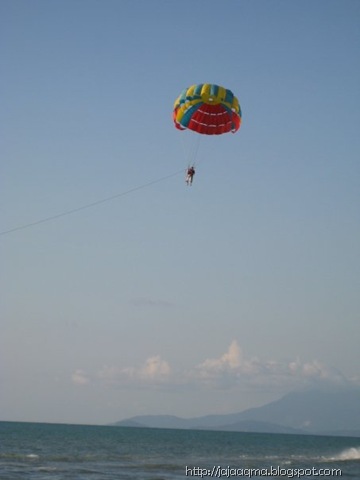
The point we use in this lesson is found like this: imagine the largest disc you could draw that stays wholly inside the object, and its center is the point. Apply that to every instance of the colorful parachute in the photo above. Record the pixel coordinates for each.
(208, 109)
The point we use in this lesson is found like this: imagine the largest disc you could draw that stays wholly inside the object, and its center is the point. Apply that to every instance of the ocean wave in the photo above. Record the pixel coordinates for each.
(47, 469)
(352, 453)
(18, 456)
(32, 456)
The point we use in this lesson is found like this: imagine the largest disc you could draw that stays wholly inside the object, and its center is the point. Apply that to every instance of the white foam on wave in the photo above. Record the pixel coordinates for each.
(32, 456)
(352, 453)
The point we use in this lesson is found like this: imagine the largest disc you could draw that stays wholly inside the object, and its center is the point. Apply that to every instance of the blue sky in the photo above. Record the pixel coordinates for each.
(169, 299)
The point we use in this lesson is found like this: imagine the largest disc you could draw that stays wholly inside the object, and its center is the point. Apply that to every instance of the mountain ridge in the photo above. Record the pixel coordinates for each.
(320, 412)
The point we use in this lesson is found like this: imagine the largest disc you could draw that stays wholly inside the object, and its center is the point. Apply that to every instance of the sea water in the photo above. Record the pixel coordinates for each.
(30, 451)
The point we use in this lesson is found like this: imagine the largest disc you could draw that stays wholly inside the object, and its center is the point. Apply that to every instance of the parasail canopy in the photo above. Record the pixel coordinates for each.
(207, 109)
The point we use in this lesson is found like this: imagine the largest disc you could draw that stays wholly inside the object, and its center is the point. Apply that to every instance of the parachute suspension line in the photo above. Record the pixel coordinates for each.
(185, 150)
(93, 204)
(195, 150)
(191, 151)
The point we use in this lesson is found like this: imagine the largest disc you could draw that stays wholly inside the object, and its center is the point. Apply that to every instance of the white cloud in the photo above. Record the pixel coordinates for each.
(79, 377)
(230, 359)
(153, 369)
(232, 362)
(316, 370)
(109, 374)
(232, 369)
